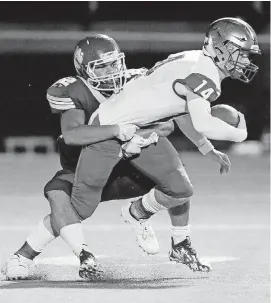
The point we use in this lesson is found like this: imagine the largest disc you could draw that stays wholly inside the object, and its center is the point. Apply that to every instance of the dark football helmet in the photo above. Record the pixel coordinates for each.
(231, 42)
(96, 52)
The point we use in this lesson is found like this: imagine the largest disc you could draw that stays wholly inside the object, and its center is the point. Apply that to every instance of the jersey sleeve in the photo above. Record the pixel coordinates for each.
(66, 94)
(133, 73)
(202, 86)
(204, 79)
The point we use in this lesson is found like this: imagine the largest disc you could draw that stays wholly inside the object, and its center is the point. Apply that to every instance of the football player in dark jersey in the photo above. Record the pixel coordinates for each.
(101, 71)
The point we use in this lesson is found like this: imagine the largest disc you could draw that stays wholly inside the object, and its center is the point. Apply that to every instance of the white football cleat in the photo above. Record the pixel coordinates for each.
(17, 267)
(145, 235)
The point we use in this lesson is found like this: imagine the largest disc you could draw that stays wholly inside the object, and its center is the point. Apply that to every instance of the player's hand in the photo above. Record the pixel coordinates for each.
(164, 129)
(130, 149)
(134, 146)
(126, 131)
(144, 142)
(221, 158)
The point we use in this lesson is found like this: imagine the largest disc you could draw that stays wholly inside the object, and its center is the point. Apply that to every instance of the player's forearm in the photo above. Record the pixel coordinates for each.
(186, 126)
(88, 134)
(163, 129)
(216, 129)
(209, 126)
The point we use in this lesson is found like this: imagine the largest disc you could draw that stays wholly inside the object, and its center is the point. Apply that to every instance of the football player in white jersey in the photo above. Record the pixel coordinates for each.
(184, 83)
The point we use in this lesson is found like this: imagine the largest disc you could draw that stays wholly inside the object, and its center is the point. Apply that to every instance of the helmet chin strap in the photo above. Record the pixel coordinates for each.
(223, 73)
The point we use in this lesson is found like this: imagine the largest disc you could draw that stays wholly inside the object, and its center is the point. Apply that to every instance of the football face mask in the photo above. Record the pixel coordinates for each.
(107, 73)
(239, 64)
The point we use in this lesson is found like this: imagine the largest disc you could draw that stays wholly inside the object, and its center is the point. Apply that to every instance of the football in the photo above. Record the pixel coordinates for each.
(226, 113)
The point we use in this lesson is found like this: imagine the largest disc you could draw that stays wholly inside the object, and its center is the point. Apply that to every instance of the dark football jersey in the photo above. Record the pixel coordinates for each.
(75, 93)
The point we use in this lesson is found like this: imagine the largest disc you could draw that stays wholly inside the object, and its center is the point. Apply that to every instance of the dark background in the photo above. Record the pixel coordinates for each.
(25, 77)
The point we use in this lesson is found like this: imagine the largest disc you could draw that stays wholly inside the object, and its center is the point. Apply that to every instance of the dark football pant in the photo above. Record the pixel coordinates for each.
(160, 163)
(124, 182)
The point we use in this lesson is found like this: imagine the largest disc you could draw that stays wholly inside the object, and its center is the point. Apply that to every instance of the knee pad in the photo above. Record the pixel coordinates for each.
(169, 201)
(62, 181)
(177, 184)
(58, 184)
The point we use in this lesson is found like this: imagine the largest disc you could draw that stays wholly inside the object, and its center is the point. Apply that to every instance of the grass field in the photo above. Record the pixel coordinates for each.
(230, 219)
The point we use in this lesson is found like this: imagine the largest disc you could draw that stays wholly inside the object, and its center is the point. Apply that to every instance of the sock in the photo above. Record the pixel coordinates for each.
(38, 239)
(179, 233)
(138, 212)
(27, 251)
(73, 235)
(150, 203)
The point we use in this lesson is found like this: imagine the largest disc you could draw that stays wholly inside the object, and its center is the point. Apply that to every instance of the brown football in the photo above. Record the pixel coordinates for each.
(226, 113)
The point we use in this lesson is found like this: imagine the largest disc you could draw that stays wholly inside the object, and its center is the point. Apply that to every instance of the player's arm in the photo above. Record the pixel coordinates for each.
(147, 136)
(66, 97)
(162, 129)
(75, 132)
(204, 145)
(186, 126)
(199, 91)
(209, 126)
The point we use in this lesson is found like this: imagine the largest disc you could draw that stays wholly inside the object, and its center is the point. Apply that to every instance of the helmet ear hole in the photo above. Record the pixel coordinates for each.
(220, 50)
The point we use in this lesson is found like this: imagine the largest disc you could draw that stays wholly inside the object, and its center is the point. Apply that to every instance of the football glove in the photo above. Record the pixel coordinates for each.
(126, 131)
(134, 146)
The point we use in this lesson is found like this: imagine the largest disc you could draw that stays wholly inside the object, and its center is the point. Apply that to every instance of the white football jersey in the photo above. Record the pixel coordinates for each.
(153, 97)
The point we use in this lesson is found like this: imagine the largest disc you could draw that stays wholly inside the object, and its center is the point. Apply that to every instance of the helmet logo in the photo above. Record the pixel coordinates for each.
(242, 39)
(78, 57)
(109, 54)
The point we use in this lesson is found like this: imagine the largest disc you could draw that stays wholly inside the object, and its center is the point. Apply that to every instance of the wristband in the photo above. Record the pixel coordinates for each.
(205, 147)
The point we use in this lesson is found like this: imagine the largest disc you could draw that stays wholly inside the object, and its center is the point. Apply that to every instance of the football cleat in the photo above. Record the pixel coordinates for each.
(145, 235)
(17, 267)
(88, 265)
(184, 253)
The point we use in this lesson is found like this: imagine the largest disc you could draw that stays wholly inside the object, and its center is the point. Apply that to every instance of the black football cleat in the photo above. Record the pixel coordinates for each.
(184, 253)
(88, 265)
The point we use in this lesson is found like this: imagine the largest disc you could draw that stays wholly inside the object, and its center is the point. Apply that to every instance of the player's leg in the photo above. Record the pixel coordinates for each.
(177, 202)
(126, 182)
(160, 163)
(173, 191)
(179, 216)
(19, 264)
(57, 191)
(163, 165)
(173, 187)
(181, 248)
(94, 167)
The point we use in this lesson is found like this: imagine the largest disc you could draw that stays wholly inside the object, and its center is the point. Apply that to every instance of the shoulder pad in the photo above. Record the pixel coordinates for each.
(60, 94)
(135, 72)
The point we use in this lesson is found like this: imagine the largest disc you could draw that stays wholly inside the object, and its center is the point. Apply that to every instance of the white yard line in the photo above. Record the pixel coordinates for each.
(73, 261)
(110, 227)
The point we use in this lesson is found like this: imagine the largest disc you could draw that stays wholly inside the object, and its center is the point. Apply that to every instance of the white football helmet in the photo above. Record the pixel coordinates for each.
(231, 42)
